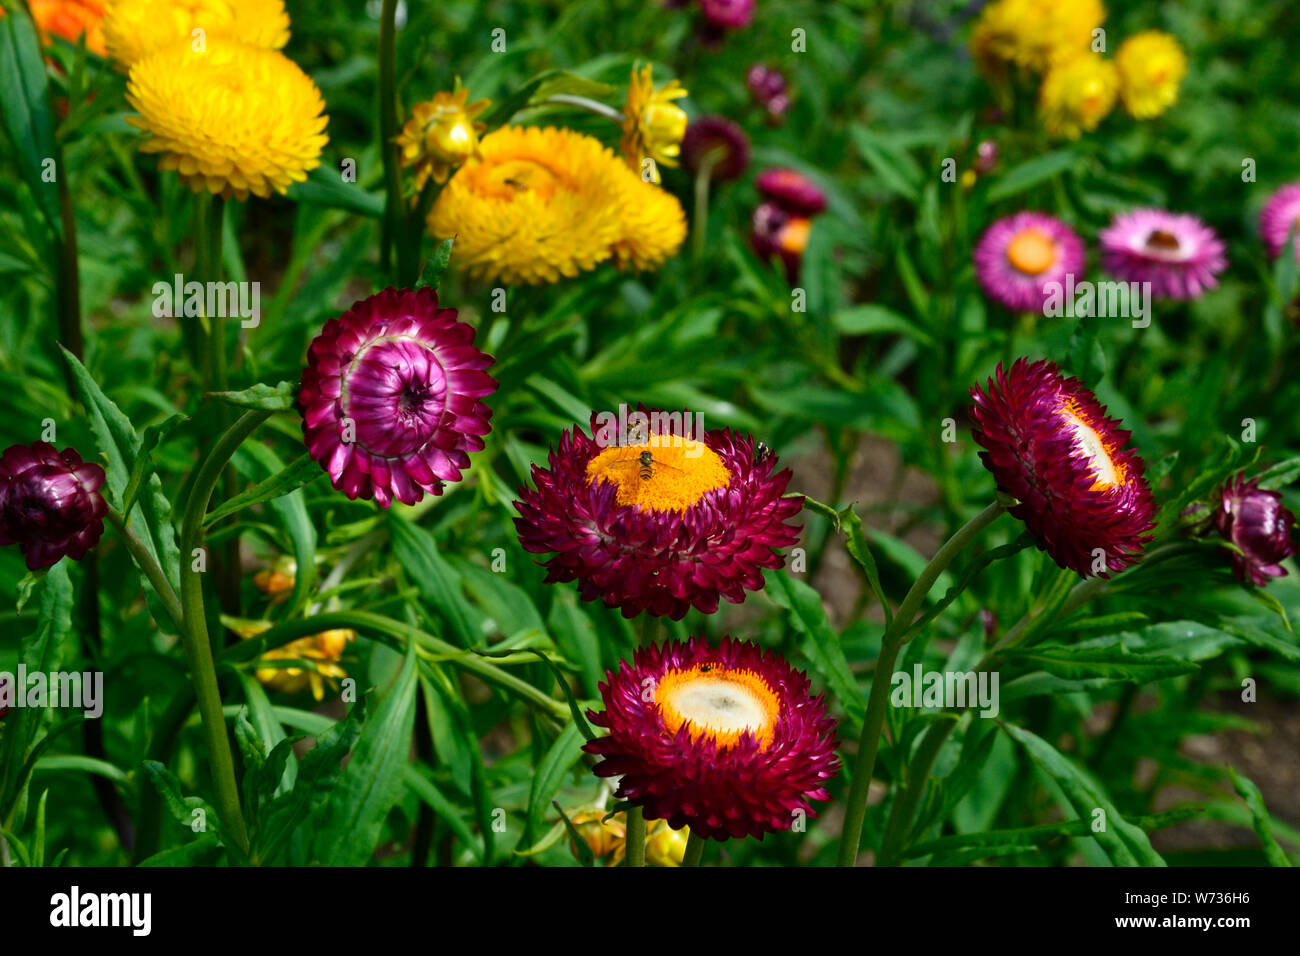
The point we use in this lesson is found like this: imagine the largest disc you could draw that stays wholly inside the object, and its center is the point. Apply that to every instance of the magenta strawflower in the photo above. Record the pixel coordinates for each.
(50, 505)
(1280, 215)
(660, 522)
(1049, 444)
(725, 740)
(1018, 255)
(390, 397)
(1176, 252)
(1255, 520)
(719, 142)
(728, 14)
(792, 191)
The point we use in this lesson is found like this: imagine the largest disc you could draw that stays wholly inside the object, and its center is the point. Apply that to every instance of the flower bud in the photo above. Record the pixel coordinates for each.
(50, 505)
(1254, 520)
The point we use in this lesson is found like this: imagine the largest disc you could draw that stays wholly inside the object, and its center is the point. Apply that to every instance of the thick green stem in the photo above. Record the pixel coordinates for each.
(635, 837)
(198, 646)
(878, 699)
(694, 850)
(408, 252)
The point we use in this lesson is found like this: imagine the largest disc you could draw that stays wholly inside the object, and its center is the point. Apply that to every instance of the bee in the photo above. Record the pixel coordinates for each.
(705, 668)
(761, 453)
(645, 464)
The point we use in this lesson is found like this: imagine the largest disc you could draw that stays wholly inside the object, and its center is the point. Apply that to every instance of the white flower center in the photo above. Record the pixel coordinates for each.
(720, 705)
(1090, 444)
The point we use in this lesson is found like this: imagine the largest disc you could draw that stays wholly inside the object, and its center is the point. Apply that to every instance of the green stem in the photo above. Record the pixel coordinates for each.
(149, 567)
(635, 837)
(877, 700)
(694, 850)
(69, 291)
(703, 177)
(198, 645)
(395, 211)
(369, 622)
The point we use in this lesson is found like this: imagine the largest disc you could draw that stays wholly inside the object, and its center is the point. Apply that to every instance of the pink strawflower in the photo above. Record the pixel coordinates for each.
(1018, 255)
(1280, 215)
(390, 397)
(1176, 252)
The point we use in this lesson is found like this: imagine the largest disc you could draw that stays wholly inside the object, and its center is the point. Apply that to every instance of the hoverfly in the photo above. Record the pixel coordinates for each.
(705, 668)
(761, 452)
(645, 463)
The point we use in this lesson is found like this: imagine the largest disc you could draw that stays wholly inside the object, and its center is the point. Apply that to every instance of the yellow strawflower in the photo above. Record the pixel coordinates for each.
(323, 651)
(441, 134)
(654, 125)
(538, 205)
(1034, 33)
(1151, 68)
(235, 119)
(1077, 94)
(134, 28)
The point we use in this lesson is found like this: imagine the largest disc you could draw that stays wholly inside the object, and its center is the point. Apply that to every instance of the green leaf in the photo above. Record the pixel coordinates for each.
(1112, 662)
(1030, 173)
(26, 111)
(550, 773)
(372, 783)
(1259, 814)
(303, 470)
(418, 783)
(201, 852)
(180, 806)
(897, 170)
(324, 186)
(144, 458)
(436, 266)
(855, 541)
(267, 398)
(438, 582)
(290, 507)
(120, 445)
(1123, 843)
(1280, 475)
(869, 319)
(805, 612)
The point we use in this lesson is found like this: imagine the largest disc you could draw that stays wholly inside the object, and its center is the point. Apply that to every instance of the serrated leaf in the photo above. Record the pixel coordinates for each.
(303, 470)
(1123, 843)
(807, 615)
(436, 266)
(1111, 662)
(267, 398)
(1259, 814)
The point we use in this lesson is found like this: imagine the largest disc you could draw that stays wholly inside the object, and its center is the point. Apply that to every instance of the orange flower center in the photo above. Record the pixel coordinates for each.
(793, 236)
(1106, 471)
(1031, 251)
(666, 473)
(507, 179)
(719, 703)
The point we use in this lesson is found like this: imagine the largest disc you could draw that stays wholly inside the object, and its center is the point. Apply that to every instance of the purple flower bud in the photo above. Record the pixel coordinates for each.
(768, 87)
(792, 191)
(719, 141)
(1256, 522)
(728, 14)
(986, 157)
(50, 505)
